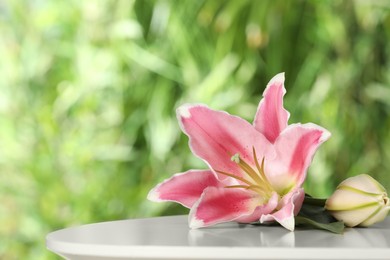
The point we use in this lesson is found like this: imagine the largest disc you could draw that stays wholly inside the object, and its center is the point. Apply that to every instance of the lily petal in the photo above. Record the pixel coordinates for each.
(219, 205)
(295, 148)
(215, 136)
(184, 188)
(271, 117)
(365, 183)
(380, 215)
(345, 199)
(290, 206)
(358, 216)
(267, 208)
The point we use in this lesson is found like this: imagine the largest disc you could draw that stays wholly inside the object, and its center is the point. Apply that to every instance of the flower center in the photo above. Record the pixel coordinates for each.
(254, 180)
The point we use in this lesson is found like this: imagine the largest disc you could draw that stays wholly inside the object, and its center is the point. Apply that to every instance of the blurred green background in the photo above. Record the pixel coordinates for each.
(88, 91)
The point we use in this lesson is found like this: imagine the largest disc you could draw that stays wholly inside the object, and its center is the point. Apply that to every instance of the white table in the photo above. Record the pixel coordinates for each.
(170, 238)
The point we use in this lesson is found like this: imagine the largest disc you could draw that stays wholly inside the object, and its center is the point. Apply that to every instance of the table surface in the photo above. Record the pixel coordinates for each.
(170, 238)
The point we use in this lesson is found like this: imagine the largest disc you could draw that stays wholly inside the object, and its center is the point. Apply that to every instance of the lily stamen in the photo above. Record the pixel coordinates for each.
(258, 176)
(257, 181)
(260, 169)
(248, 169)
(255, 188)
(235, 177)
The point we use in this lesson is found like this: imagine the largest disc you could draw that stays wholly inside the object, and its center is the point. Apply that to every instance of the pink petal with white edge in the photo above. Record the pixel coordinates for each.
(271, 117)
(215, 136)
(267, 208)
(295, 148)
(184, 188)
(219, 205)
(290, 206)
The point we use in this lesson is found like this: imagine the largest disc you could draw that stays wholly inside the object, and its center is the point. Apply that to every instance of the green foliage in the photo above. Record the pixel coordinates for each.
(88, 91)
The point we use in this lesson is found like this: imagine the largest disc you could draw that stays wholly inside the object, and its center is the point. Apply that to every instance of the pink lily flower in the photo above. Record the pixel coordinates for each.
(255, 171)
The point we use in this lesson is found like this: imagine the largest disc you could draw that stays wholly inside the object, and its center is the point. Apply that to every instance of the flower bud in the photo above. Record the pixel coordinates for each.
(359, 200)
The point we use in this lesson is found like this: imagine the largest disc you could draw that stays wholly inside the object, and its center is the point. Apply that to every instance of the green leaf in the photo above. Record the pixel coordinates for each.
(334, 227)
(316, 213)
(313, 214)
(314, 201)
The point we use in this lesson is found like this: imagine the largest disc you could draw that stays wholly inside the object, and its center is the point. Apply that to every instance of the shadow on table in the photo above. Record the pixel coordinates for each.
(274, 236)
